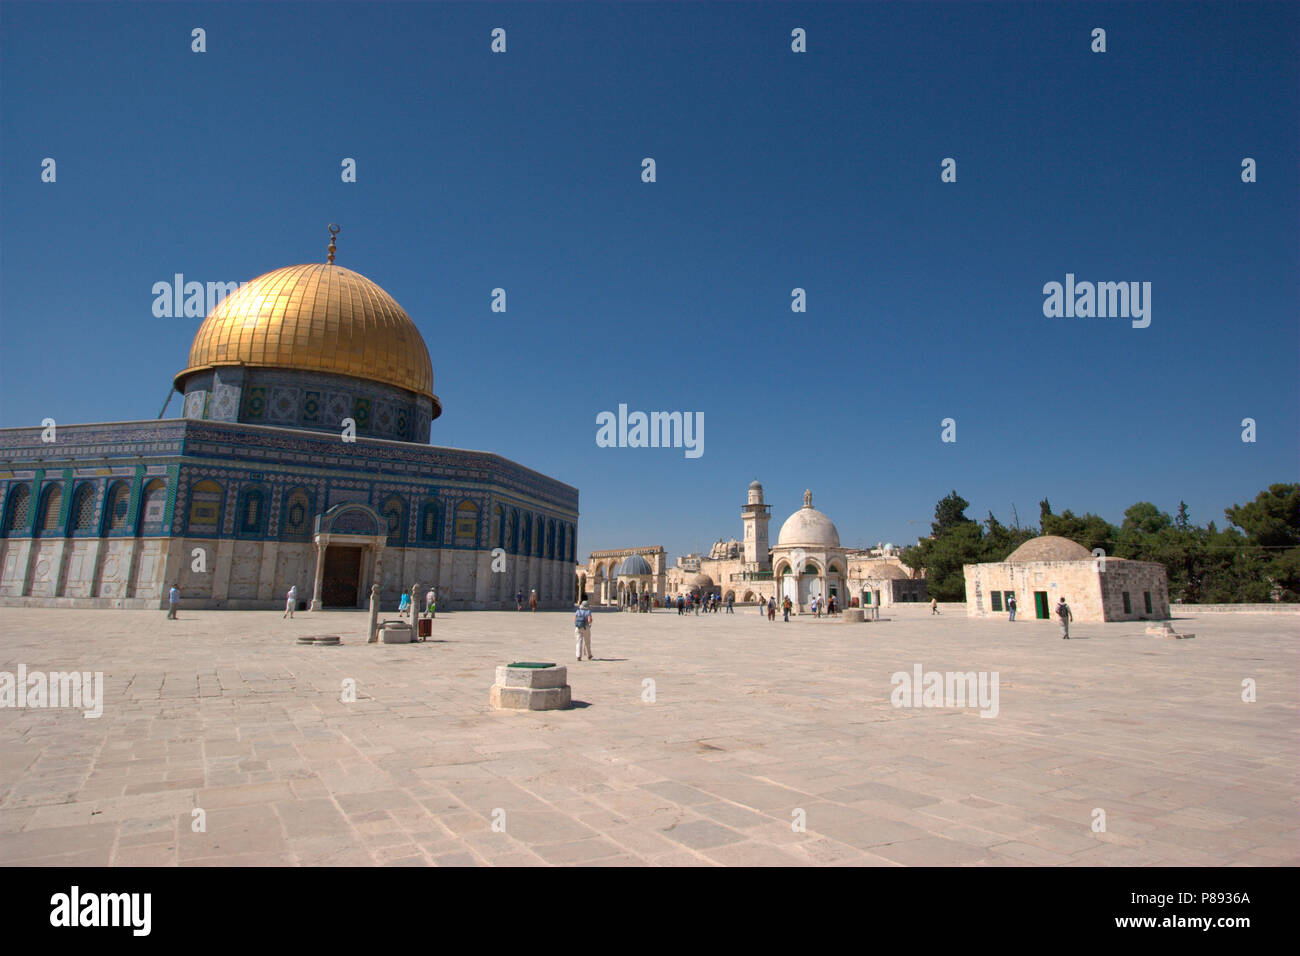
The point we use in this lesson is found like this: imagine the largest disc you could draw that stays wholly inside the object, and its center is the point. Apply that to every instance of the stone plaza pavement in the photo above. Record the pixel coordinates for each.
(750, 723)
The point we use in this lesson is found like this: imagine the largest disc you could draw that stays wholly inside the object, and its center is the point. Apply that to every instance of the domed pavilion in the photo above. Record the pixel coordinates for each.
(807, 558)
(1045, 569)
(301, 459)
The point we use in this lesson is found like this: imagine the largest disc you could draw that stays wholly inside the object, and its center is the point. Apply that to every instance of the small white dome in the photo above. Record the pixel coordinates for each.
(808, 527)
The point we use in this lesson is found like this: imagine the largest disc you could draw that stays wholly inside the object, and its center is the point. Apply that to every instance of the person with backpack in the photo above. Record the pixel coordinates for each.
(582, 630)
(1011, 607)
(785, 607)
(1063, 613)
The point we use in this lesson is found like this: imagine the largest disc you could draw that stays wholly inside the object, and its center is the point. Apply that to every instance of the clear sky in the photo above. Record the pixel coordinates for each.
(775, 170)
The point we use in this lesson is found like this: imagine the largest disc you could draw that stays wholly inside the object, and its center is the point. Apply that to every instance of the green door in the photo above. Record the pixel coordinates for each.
(1040, 605)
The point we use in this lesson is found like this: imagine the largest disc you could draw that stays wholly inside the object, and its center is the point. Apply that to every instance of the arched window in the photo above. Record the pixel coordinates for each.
(83, 508)
(205, 508)
(295, 520)
(153, 507)
(560, 549)
(51, 505)
(526, 534)
(539, 539)
(512, 535)
(17, 513)
(116, 504)
(573, 543)
(430, 523)
(466, 529)
(550, 539)
(252, 511)
(498, 528)
(394, 512)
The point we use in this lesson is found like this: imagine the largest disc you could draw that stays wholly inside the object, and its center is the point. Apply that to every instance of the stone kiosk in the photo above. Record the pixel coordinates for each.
(530, 685)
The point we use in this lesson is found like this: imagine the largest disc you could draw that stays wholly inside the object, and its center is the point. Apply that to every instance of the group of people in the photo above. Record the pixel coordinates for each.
(828, 606)
(532, 601)
(1063, 614)
(709, 603)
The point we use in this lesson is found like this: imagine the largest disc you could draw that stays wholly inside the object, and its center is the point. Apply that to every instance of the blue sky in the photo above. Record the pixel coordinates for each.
(775, 170)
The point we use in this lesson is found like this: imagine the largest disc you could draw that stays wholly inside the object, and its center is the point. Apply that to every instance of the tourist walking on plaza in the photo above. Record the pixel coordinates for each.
(771, 609)
(519, 600)
(681, 605)
(173, 599)
(731, 604)
(934, 605)
(532, 601)
(430, 602)
(582, 630)
(1063, 612)
(830, 605)
(404, 604)
(785, 608)
(1011, 606)
(291, 601)
(816, 608)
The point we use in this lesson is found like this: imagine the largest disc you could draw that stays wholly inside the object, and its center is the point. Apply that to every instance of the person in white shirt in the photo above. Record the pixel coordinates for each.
(291, 601)
(582, 630)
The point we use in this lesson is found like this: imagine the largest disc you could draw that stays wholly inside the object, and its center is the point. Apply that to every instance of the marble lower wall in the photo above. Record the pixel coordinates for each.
(226, 573)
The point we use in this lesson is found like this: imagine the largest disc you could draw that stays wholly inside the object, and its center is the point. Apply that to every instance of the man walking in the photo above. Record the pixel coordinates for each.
(519, 600)
(532, 600)
(771, 610)
(291, 601)
(1063, 612)
(582, 630)
(731, 603)
(1011, 606)
(934, 605)
(173, 599)
(785, 609)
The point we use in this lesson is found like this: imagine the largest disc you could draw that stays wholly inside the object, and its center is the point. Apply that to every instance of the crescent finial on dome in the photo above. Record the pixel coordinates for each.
(335, 229)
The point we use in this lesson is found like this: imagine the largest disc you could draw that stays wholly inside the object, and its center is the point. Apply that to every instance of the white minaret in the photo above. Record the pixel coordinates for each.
(756, 515)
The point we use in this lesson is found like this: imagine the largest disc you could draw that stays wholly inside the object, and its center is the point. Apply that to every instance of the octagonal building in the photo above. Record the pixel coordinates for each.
(302, 458)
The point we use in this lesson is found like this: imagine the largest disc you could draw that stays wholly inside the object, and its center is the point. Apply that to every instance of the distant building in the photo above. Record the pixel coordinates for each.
(807, 561)
(1047, 568)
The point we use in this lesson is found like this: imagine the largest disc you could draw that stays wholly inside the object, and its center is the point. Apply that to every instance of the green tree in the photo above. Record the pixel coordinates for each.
(1272, 526)
(950, 513)
(999, 540)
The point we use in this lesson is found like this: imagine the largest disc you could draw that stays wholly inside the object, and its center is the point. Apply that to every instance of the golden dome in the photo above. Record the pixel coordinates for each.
(315, 318)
